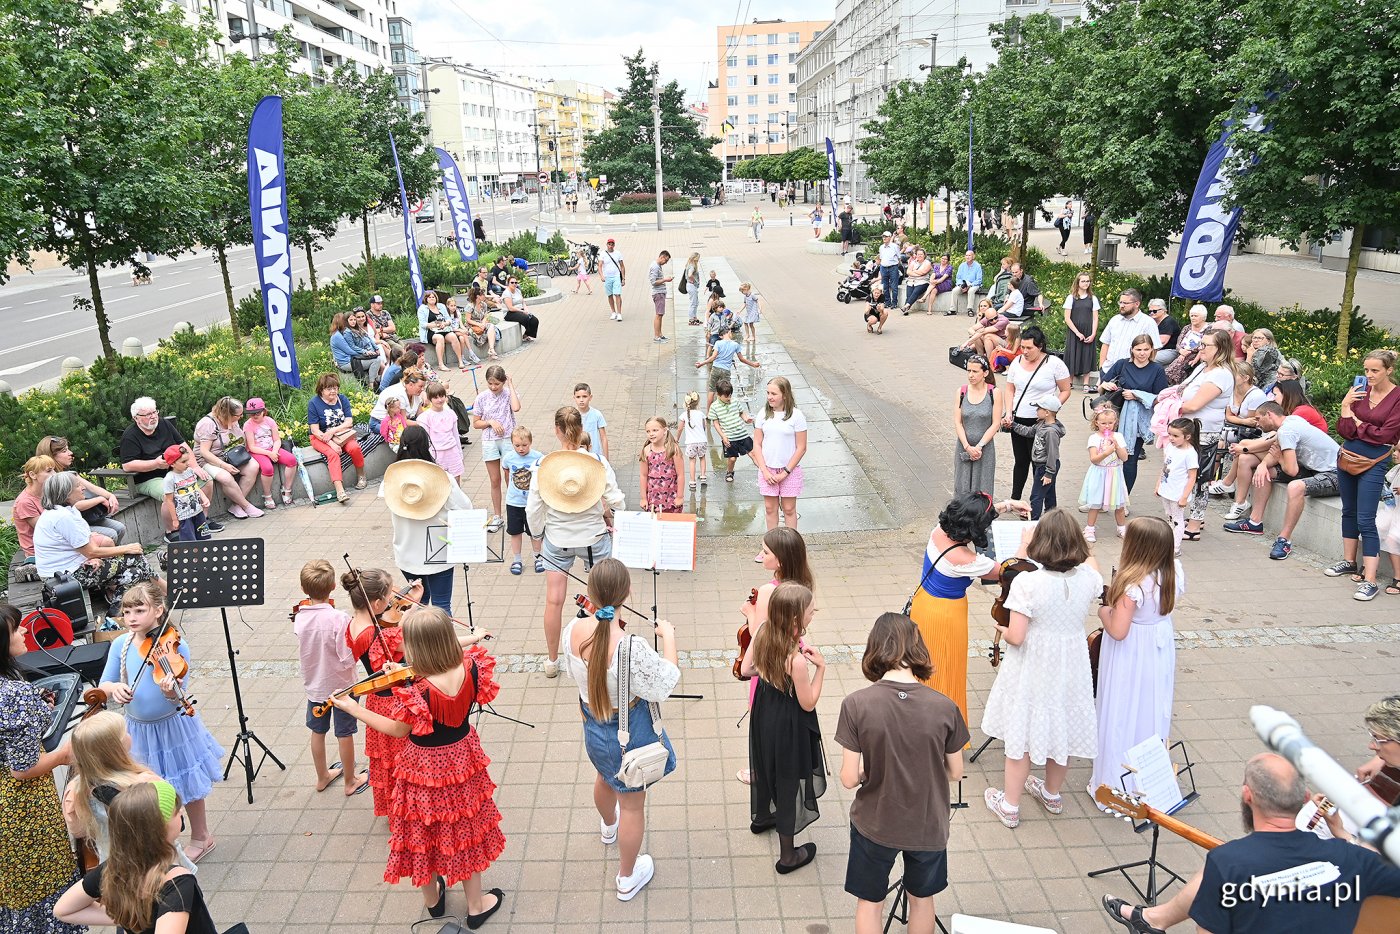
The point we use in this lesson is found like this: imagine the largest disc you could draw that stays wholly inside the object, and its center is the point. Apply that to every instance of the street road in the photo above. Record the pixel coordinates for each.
(37, 310)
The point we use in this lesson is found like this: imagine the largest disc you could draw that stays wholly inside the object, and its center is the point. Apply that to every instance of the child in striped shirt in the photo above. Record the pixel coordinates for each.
(732, 422)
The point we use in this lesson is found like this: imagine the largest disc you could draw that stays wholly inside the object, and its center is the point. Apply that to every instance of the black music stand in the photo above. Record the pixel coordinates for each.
(1153, 864)
(899, 911)
(223, 574)
(655, 577)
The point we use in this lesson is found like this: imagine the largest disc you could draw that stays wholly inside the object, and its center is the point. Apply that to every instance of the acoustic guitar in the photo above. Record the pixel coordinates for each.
(1380, 914)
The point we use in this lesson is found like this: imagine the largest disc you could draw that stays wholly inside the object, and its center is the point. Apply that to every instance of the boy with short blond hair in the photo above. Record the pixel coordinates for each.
(327, 666)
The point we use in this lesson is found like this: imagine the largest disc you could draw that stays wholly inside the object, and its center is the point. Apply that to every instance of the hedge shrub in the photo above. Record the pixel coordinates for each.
(646, 204)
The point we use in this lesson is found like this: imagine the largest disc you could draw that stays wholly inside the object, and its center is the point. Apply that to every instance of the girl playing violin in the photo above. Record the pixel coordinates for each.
(178, 748)
(444, 827)
(379, 648)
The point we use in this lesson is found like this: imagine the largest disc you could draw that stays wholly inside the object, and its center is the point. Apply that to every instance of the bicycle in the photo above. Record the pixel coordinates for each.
(560, 265)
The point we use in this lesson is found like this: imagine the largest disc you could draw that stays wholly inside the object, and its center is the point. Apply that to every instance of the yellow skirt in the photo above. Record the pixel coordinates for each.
(943, 624)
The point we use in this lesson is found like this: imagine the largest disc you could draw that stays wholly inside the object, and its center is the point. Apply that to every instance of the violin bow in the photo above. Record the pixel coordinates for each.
(374, 618)
(155, 636)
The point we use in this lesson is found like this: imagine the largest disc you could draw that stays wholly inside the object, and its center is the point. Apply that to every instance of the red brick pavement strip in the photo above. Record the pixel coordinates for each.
(299, 861)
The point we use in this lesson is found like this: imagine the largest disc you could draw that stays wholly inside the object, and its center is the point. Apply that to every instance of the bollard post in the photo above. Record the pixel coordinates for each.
(5, 388)
(132, 347)
(69, 366)
(181, 326)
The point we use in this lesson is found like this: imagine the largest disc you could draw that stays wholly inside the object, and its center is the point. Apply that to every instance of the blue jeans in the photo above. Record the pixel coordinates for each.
(889, 281)
(1360, 497)
(915, 292)
(1042, 495)
(437, 588)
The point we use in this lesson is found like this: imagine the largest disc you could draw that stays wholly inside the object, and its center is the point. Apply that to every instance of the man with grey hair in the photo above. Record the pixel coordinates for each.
(1168, 330)
(142, 452)
(1275, 880)
(1225, 321)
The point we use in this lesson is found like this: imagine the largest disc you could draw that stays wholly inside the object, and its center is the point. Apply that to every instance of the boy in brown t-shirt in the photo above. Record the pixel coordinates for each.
(902, 744)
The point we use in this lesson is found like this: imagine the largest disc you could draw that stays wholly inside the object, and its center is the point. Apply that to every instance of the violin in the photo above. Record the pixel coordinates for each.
(398, 606)
(301, 604)
(1385, 785)
(161, 649)
(1009, 569)
(744, 638)
(379, 681)
(96, 700)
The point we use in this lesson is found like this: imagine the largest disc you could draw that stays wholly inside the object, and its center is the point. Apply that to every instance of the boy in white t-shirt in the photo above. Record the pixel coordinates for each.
(1180, 464)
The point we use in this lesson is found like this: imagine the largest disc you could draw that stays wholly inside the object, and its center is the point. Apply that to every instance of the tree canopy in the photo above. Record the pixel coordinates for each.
(625, 151)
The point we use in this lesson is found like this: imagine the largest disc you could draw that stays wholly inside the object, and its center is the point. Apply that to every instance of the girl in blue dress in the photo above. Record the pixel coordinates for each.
(177, 747)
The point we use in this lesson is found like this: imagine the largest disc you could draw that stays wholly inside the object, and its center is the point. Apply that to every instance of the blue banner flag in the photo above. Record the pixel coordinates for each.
(1210, 229)
(267, 205)
(831, 177)
(461, 209)
(971, 212)
(415, 271)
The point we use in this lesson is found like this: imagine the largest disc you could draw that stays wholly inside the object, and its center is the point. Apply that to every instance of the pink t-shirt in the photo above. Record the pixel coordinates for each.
(26, 511)
(327, 661)
(259, 434)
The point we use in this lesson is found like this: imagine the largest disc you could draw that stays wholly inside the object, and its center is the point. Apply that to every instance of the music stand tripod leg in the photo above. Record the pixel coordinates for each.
(655, 576)
(242, 749)
(981, 749)
(1153, 864)
(899, 911)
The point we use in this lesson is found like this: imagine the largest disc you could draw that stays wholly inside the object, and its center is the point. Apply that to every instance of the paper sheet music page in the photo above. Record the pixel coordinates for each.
(1156, 778)
(466, 537)
(633, 542)
(1006, 537)
(675, 542)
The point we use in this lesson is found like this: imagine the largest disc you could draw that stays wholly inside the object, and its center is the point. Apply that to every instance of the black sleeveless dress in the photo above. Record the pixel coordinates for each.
(785, 756)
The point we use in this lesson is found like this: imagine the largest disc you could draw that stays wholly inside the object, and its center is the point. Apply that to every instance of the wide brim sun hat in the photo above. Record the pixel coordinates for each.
(415, 489)
(571, 481)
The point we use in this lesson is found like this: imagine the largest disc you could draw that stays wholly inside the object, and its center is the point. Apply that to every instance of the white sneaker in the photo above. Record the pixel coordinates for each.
(1219, 489)
(1090, 534)
(608, 832)
(629, 886)
(1237, 511)
(551, 667)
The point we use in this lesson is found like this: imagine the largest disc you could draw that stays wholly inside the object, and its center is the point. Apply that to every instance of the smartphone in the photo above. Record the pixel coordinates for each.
(1358, 382)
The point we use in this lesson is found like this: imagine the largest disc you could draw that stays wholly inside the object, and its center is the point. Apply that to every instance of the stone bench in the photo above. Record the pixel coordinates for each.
(1319, 530)
(511, 340)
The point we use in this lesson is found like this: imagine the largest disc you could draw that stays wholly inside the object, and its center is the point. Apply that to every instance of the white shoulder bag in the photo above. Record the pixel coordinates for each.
(647, 764)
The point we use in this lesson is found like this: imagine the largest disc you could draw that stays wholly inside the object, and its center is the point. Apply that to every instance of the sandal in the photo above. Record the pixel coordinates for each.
(1191, 536)
(342, 497)
(729, 476)
(269, 503)
(1393, 588)
(361, 483)
(286, 497)
(197, 851)
(1135, 922)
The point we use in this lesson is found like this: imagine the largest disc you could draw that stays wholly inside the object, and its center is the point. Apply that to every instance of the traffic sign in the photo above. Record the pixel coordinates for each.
(544, 176)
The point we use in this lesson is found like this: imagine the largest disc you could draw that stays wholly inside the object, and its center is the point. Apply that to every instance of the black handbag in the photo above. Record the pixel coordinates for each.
(236, 457)
(94, 514)
(958, 356)
(288, 446)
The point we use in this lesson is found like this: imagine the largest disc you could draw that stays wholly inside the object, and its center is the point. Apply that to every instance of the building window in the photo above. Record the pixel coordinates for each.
(732, 100)
(751, 61)
(775, 118)
(751, 40)
(753, 118)
(772, 38)
(752, 100)
(792, 58)
(774, 137)
(793, 38)
(732, 81)
(731, 62)
(753, 81)
(772, 77)
(772, 98)
(792, 77)
(773, 58)
(733, 139)
(792, 97)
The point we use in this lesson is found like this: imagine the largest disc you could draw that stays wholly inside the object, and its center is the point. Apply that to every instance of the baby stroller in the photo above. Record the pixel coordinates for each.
(856, 286)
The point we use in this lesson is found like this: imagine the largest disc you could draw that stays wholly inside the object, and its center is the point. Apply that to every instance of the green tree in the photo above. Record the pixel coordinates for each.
(625, 151)
(1328, 161)
(917, 143)
(763, 168)
(806, 165)
(378, 115)
(97, 124)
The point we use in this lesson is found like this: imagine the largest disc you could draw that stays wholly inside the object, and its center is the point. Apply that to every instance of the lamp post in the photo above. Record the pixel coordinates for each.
(424, 92)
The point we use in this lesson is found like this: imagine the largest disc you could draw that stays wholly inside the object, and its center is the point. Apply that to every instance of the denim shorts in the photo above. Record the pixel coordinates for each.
(612, 285)
(600, 741)
(345, 725)
(494, 449)
(562, 559)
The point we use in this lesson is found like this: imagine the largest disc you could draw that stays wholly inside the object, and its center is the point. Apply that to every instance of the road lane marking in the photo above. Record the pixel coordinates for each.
(38, 301)
(44, 317)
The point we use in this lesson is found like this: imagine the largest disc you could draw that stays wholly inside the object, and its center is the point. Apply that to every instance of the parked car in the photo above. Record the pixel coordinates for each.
(519, 196)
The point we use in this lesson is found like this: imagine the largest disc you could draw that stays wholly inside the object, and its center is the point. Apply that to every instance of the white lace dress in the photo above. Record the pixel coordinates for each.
(1042, 702)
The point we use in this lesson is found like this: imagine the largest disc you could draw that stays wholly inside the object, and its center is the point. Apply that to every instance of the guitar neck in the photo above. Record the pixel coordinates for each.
(1183, 829)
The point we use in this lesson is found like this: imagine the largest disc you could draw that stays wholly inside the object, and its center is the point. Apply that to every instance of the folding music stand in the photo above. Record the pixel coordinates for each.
(1153, 864)
(223, 574)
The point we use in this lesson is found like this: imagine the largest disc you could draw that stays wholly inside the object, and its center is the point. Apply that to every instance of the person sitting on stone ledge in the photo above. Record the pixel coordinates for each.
(142, 453)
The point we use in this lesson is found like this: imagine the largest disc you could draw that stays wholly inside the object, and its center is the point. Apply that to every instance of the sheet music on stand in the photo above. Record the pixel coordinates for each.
(654, 541)
(1006, 537)
(461, 541)
(1155, 775)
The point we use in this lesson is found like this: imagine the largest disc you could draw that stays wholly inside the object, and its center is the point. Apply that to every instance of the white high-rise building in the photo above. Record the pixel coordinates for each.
(844, 74)
(487, 121)
(330, 32)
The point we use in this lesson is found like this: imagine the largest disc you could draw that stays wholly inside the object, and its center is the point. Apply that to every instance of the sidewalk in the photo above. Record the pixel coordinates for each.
(1250, 631)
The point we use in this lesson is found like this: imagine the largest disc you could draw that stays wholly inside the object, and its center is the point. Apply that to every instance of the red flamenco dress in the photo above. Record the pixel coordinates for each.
(374, 647)
(442, 819)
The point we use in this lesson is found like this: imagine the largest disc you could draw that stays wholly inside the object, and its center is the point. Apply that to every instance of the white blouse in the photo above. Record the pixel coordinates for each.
(653, 678)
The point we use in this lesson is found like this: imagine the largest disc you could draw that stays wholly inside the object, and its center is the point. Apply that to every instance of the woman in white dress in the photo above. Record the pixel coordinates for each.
(1137, 660)
(1042, 703)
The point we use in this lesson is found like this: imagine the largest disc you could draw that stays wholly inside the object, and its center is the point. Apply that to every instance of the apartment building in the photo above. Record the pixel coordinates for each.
(330, 32)
(486, 120)
(569, 113)
(753, 99)
(844, 75)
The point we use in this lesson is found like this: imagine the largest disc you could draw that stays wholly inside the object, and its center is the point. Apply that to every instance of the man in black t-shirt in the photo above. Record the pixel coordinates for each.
(1275, 880)
(1168, 330)
(500, 275)
(142, 452)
